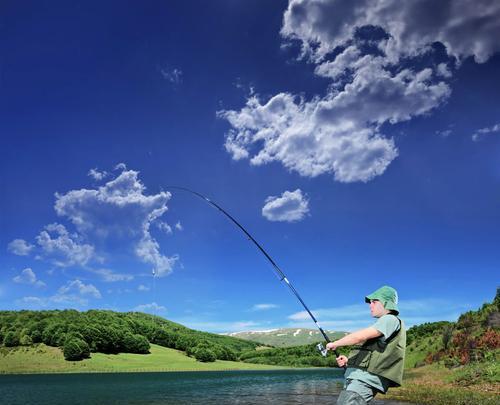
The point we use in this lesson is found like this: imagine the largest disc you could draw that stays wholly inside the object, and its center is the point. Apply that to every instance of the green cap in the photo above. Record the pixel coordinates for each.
(388, 296)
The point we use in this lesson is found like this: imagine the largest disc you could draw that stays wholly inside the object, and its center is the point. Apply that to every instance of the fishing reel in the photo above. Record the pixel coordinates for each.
(322, 349)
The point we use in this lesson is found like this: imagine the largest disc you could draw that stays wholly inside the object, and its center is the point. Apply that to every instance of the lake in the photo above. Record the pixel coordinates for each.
(316, 386)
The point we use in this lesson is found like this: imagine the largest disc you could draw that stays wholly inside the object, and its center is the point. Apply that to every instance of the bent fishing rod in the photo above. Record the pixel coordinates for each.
(278, 271)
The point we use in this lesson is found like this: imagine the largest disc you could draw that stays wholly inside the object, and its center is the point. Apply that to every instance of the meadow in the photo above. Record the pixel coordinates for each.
(41, 358)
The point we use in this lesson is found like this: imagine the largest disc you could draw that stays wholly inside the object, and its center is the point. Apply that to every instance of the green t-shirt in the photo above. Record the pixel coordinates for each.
(386, 325)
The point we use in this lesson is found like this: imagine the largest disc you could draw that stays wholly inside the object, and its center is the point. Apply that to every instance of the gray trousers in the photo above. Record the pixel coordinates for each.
(356, 392)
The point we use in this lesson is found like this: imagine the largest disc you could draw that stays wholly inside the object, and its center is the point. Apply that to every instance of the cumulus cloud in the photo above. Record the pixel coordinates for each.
(366, 49)
(77, 287)
(120, 213)
(72, 294)
(179, 226)
(28, 276)
(20, 247)
(464, 27)
(63, 248)
(150, 308)
(291, 206)
(97, 175)
(481, 133)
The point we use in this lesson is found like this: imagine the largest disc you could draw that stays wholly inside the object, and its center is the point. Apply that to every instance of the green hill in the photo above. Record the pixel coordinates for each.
(473, 339)
(285, 337)
(78, 334)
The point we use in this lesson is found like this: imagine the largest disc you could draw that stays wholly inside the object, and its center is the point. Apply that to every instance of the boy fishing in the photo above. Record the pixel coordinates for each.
(377, 360)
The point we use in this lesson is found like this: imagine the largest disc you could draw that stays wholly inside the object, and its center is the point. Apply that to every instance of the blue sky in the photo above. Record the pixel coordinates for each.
(358, 143)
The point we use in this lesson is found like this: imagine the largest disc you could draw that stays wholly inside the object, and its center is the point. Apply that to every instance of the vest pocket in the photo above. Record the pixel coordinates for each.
(359, 358)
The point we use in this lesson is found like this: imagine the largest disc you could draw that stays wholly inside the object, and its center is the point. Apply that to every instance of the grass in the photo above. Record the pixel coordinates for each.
(44, 359)
(435, 384)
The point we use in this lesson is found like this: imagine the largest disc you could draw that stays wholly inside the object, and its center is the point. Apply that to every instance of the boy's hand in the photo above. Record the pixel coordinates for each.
(331, 346)
(342, 361)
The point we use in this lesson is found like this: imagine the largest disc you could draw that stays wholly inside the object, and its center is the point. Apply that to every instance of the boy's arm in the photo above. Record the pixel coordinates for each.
(355, 338)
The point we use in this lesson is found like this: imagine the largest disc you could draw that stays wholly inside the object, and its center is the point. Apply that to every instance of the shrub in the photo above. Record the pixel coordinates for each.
(205, 355)
(76, 349)
(11, 339)
(447, 335)
(25, 340)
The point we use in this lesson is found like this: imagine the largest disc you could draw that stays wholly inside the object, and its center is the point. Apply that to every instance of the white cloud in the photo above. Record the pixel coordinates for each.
(357, 316)
(152, 308)
(119, 213)
(179, 226)
(263, 307)
(464, 27)
(72, 294)
(142, 287)
(373, 82)
(20, 247)
(221, 327)
(77, 287)
(480, 133)
(444, 133)
(148, 250)
(28, 276)
(110, 276)
(291, 206)
(64, 248)
(121, 166)
(174, 76)
(34, 301)
(163, 226)
(444, 70)
(97, 175)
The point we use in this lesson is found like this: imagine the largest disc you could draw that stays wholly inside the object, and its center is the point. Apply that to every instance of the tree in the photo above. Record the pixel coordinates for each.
(135, 343)
(447, 335)
(76, 349)
(205, 355)
(11, 339)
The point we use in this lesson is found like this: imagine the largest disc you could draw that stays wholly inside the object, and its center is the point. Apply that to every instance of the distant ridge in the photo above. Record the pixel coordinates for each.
(285, 337)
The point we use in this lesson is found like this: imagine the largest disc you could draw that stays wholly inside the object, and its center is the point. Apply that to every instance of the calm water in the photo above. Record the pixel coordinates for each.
(231, 387)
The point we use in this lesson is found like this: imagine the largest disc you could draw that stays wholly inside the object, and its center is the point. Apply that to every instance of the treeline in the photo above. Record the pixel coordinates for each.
(298, 356)
(80, 333)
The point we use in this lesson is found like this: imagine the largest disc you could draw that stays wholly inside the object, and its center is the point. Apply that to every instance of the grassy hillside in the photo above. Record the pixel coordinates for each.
(286, 337)
(99, 331)
(454, 362)
(40, 358)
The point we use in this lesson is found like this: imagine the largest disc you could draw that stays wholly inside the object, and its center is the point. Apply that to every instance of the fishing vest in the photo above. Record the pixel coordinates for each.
(384, 359)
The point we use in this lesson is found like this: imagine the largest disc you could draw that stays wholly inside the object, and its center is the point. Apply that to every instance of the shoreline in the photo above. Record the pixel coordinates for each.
(246, 370)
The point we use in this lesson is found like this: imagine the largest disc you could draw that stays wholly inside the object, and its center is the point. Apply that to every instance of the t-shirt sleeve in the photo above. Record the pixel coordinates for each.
(387, 325)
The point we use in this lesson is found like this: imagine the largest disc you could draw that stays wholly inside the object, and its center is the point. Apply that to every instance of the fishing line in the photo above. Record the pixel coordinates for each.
(276, 269)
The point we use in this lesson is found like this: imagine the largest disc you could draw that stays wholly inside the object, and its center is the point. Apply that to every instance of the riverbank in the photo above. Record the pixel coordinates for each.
(42, 359)
(435, 384)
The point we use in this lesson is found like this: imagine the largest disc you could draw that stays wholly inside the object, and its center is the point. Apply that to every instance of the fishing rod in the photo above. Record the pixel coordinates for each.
(278, 271)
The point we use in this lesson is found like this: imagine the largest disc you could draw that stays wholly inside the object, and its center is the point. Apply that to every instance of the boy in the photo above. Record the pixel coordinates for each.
(377, 363)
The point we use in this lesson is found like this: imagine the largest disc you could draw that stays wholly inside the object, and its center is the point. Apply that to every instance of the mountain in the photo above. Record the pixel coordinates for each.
(285, 337)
